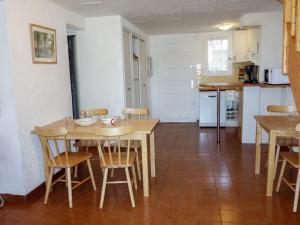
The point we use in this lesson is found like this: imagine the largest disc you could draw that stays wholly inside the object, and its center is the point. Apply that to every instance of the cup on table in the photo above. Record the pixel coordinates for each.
(69, 122)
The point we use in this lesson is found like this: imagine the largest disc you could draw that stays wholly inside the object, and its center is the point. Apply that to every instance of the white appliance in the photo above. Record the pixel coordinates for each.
(275, 76)
(208, 109)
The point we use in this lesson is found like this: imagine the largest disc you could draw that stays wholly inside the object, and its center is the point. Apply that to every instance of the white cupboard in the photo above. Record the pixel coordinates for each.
(246, 45)
(252, 45)
(239, 45)
(135, 76)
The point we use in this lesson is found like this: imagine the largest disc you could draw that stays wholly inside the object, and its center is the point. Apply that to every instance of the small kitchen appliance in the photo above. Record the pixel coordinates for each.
(251, 74)
(275, 76)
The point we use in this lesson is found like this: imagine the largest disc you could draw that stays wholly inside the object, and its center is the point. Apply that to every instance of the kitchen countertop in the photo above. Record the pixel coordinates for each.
(237, 86)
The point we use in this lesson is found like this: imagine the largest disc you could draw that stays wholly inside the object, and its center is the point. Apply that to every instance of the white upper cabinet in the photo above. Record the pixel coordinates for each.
(239, 46)
(253, 39)
(246, 45)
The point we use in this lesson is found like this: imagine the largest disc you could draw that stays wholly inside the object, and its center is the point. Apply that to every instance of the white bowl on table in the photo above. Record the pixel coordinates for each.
(84, 122)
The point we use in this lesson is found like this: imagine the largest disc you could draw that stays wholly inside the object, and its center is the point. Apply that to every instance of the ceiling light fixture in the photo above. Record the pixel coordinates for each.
(224, 26)
(90, 3)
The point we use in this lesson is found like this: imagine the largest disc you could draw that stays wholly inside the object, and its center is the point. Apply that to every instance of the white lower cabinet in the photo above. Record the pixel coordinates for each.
(208, 109)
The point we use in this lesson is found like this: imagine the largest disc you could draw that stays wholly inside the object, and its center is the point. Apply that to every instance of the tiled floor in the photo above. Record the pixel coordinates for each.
(197, 183)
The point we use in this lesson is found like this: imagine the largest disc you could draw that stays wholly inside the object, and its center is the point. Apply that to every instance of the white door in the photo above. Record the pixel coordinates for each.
(136, 84)
(127, 68)
(172, 97)
(143, 75)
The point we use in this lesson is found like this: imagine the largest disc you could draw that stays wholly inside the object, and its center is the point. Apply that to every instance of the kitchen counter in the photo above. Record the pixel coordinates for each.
(237, 86)
(253, 100)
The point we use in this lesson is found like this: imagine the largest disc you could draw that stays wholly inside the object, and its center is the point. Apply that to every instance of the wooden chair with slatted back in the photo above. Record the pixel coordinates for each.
(89, 143)
(282, 141)
(90, 112)
(111, 159)
(136, 113)
(139, 114)
(292, 158)
(62, 158)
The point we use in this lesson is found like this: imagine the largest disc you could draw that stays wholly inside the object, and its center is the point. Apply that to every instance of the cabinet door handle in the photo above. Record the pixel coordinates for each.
(211, 96)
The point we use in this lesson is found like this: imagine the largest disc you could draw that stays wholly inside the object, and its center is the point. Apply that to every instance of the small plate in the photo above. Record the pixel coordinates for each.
(85, 121)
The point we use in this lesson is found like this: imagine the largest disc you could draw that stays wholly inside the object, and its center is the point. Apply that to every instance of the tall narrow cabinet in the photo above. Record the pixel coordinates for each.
(135, 75)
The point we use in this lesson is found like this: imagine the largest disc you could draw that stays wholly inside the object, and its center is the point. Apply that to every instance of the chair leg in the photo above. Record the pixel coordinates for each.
(91, 174)
(296, 197)
(281, 175)
(276, 160)
(112, 170)
(76, 171)
(66, 175)
(134, 177)
(69, 187)
(76, 167)
(138, 163)
(103, 188)
(49, 184)
(112, 173)
(129, 187)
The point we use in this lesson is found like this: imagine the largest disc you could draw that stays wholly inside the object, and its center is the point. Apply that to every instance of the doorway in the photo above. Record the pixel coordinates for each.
(72, 64)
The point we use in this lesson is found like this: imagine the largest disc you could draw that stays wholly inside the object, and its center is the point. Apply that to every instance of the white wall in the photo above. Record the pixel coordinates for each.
(100, 65)
(42, 92)
(271, 38)
(164, 97)
(11, 172)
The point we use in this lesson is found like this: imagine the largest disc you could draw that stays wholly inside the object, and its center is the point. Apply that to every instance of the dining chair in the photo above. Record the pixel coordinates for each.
(139, 114)
(282, 141)
(60, 156)
(292, 158)
(90, 112)
(110, 159)
(88, 143)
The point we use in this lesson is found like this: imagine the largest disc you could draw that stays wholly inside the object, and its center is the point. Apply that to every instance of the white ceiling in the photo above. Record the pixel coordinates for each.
(173, 16)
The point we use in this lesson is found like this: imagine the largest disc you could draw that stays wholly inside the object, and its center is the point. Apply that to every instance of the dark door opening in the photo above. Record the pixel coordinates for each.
(72, 63)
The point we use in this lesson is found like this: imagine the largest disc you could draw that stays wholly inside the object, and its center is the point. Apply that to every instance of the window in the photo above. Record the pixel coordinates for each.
(218, 57)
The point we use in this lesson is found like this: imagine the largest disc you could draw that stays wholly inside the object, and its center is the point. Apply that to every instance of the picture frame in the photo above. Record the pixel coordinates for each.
(43, 44)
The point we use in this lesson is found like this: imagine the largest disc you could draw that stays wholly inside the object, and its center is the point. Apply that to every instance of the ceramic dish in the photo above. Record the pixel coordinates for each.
(85, 121)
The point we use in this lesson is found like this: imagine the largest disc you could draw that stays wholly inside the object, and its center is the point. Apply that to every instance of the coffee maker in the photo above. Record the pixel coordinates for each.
(251, 74)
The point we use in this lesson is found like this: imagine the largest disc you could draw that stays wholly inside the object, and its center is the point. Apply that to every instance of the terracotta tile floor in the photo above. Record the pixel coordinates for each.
(197, 183)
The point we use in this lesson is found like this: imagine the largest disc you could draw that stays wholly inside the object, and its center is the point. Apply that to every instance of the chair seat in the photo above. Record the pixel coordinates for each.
(74, 159)
(284, 141)
(115, 160)
(123, 144)
(292, 158)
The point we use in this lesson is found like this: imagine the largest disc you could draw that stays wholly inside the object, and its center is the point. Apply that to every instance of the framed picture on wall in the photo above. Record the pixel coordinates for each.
(43, 44)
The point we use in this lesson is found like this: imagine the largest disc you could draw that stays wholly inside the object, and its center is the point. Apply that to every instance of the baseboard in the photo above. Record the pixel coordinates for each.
(37, 192)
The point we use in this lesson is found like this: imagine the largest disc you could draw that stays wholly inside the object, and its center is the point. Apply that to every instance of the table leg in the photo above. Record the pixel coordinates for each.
(218, 114)
(271, 160)
(152, 154)
(145, 165)
(45, 160)
(258, 148)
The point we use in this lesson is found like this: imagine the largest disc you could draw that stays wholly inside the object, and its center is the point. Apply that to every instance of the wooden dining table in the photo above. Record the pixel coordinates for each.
(275, 126)
(142, 128)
